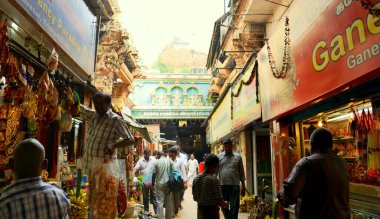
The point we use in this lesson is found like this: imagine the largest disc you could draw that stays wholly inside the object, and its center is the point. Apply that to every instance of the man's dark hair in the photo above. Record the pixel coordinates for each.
(155, 153)
(173, 150)
(107, 98)
(227, 142)
(321, 138)
(161, 154)
(211, 160)
(146, 150)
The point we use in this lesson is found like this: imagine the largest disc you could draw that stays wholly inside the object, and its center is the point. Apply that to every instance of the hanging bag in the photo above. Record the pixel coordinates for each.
(147, 179)
(175, 183)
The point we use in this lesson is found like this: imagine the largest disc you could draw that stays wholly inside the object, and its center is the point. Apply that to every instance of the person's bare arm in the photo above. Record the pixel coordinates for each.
(124, 143)
(121, 144)
(222, 203)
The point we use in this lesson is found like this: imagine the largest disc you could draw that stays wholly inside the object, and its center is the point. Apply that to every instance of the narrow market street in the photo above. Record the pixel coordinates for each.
(190, 208)
(108, 107)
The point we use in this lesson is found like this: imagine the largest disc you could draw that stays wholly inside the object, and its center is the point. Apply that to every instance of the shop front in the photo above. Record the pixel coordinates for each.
(47, 56)
(253, 135)
(332, 81)
(45, 63)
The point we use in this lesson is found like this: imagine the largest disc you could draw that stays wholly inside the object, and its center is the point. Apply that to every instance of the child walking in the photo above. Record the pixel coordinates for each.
(207, 191)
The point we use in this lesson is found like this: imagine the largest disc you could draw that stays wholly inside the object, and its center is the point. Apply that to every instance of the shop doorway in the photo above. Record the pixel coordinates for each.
(262, 170)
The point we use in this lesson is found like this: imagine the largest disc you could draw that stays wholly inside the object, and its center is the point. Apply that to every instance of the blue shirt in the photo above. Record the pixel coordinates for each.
(32, 198)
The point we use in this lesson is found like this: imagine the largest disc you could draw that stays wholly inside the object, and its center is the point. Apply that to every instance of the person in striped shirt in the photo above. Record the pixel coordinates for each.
(207, 190)
(107, 131)
(28, 197)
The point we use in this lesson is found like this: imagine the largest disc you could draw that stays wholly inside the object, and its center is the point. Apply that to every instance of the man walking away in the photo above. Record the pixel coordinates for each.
(193, 166)
(231, 173)
(207, 191)
(161, 169)
(144, 166)
(29, 197)
(179, 166)
(318, 184)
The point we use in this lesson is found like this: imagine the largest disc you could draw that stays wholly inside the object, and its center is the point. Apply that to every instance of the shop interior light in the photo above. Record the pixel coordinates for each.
(320, 123)
(15, 27)
(340, 118)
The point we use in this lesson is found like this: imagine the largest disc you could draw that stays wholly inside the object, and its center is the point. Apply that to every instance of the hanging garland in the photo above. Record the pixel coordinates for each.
(285, 59)
(248, 82)
(373, 11)
(255, 72)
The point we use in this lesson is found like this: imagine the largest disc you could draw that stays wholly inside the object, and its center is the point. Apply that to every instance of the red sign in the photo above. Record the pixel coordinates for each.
(341, 46)
(344, 45)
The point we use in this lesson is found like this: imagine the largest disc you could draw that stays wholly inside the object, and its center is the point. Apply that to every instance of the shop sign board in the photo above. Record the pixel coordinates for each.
(221, 123)
(70, 24)
(336, 43)
(170, 113)
(245, 106)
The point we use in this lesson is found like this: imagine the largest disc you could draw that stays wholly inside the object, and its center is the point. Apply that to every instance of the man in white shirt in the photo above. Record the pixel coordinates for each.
(183, 157)
(193, 166)
(144, 166)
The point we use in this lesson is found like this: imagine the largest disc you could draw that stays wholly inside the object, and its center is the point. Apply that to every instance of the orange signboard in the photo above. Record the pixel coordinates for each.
(342, 45)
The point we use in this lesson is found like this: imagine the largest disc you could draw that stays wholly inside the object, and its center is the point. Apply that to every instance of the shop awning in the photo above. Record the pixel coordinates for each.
(140, 128)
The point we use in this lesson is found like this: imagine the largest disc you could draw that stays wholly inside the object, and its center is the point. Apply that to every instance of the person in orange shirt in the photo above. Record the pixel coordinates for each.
(201, 166)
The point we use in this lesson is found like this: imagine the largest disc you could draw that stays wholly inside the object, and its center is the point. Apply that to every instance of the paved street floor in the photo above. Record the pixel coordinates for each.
(189, 210)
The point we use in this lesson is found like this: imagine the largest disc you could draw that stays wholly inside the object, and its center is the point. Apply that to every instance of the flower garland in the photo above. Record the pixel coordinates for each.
(255, 72)
(373, 11)
(285, 58)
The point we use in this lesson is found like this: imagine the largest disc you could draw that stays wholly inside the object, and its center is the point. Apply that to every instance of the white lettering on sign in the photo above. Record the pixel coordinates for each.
(341, 6)
(173, 114)
(360, 58)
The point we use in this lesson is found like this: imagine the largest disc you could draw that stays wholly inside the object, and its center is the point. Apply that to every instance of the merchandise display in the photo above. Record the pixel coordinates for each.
(104, 188)
(41, 99)
(33, 98)
(246, 203)
(121, 199)
(356, 138)
(78, 204)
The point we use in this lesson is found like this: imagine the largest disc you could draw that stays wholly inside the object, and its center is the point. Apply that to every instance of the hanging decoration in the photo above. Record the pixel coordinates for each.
(285, 58)
(373, 11)
(4, 44)
(254, 74)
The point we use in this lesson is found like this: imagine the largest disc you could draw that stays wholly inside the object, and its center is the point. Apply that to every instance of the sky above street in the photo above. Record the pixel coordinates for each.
(155, 23)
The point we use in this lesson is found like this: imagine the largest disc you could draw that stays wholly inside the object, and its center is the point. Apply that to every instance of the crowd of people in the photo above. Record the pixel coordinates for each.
(318, 184)
(209, 191)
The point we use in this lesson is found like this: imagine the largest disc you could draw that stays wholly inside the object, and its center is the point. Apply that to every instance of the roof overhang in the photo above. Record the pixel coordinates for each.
(139, 128)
